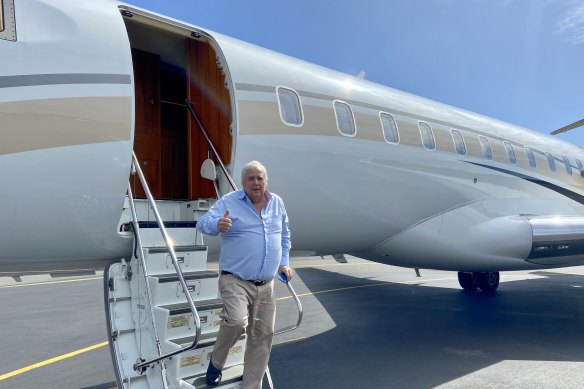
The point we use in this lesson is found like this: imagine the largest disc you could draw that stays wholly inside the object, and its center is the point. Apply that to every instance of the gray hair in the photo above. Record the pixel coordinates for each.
(255, 164)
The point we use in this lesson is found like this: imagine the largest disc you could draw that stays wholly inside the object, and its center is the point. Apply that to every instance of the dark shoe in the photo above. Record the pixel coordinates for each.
(213, 375)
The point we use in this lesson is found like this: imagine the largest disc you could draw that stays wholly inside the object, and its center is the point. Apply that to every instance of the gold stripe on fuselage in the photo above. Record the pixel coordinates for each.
(262, 118)
(41, 124)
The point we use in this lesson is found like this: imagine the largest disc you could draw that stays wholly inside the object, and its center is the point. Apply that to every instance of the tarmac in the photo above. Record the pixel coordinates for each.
(365, 325)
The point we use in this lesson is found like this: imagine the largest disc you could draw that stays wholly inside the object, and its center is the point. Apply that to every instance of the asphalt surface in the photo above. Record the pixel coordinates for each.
(365, 325)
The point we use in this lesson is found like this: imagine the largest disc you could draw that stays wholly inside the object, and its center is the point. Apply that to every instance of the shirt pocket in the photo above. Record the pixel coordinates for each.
(274, 224)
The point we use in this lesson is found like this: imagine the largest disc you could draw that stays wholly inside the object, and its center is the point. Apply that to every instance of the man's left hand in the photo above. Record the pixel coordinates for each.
(286, 270)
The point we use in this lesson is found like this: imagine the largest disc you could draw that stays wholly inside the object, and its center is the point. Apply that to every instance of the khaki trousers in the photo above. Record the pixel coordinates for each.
(246, 309)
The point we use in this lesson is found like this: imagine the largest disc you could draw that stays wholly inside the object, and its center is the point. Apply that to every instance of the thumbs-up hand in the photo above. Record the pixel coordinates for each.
(224, 223)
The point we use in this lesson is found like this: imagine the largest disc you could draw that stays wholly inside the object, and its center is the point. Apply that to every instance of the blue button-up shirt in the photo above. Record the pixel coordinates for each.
(255, 245)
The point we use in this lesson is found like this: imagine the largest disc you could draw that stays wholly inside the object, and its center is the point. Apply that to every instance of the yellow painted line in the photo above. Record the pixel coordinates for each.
(333, 290)
(51, 282)
(366, 286)
(318, 265)
(337, 264)
(41, 272)
(52, 360)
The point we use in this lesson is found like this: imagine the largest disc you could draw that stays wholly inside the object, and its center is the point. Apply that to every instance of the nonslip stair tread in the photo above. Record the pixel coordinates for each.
(194, 275)
(231, 375)
(206, 340)
(168, 224)
(177, 249)
(146, 224)
(202, 305)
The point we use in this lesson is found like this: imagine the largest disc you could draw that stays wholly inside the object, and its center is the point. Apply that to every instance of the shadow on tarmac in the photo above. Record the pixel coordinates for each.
(111, 385)
(415, 336)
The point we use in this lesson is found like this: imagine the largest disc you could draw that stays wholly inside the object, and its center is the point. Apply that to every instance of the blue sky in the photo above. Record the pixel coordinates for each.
(520, 61)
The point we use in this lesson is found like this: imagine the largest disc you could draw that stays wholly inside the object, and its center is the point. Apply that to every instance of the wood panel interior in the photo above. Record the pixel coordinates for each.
(168, 69)
(147, 116)
(211, 103)
(174, 133)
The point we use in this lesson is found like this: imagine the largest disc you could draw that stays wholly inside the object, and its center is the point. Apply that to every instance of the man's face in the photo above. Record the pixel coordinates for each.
(254, 184)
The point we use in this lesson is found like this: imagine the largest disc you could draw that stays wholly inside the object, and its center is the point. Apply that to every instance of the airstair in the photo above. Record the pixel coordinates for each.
(163, 304)
(157, 339)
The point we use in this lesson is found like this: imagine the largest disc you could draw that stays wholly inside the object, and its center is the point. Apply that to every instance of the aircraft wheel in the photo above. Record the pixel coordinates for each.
(467, 281)
(488, 281)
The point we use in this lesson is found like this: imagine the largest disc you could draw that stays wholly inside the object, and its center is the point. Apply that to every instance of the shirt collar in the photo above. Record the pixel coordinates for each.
(241, 195)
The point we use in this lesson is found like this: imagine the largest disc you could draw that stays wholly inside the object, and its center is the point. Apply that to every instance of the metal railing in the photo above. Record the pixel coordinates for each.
(140, 365)
(139, 254)
(289, 328)
(200, 125)
(300, 312)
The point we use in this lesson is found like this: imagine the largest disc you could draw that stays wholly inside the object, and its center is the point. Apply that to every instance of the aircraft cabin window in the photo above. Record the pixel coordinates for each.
(530, 157)
(345, 118)
(510, 152)
(290, 107)
(568, 166)
(390, 132)
(427, 136)
(551, 162)
(458, 141)
(1, 15)
(486, 146)
(7, 24)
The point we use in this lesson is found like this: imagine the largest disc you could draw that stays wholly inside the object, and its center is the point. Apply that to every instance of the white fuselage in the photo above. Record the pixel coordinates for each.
(67, 104)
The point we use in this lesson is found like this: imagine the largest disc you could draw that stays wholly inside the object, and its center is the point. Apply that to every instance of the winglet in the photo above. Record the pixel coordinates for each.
(569, 127)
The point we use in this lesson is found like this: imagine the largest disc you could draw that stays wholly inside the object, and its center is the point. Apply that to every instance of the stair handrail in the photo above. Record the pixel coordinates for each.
(287, 329)
(138, 366)
(202, 129)
(139, 248)
(300, 311)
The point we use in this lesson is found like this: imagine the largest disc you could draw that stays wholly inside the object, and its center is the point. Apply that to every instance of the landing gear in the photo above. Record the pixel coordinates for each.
(486, 281)
(467, 281)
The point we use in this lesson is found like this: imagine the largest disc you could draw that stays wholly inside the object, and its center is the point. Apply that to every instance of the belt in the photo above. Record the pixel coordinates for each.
(255, 282)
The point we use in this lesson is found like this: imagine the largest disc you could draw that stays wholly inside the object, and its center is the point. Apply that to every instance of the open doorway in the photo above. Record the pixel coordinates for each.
(170, 68)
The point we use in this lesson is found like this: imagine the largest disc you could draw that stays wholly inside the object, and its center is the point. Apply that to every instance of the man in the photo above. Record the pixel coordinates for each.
(255, 244)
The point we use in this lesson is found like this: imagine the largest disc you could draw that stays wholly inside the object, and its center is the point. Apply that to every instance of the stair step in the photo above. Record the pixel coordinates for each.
(206, 340)
(166, 288)
(194, 362)
(195, 275)
(232, 378)
(154, 224)
(177, 309)
(177, 249)
(168, 224)
(190, 258)
(181, 234)
(176, 320)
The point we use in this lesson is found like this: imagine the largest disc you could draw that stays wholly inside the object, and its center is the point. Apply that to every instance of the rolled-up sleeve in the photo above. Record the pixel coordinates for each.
(286, 241)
